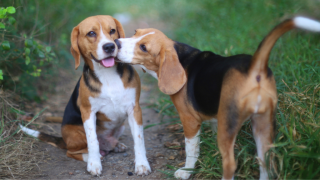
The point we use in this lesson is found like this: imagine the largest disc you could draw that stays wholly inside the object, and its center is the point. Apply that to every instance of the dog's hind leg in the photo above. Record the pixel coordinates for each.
(229, 124)
(263, 126)
(79, 156)
(120, 147)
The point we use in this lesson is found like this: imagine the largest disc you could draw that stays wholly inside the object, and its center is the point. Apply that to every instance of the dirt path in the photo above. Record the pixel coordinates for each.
(115, 165)
(56, 165)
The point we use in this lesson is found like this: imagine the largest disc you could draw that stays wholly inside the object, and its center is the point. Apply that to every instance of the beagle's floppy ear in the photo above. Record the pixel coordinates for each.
(172, 76)
(119, 29)
(74, 46)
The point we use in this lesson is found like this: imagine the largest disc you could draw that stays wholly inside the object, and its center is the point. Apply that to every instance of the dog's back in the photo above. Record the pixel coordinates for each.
(234, 89)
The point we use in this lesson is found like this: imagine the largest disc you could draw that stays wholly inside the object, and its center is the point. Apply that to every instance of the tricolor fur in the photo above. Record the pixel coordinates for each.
(106, 95)
(204, 85)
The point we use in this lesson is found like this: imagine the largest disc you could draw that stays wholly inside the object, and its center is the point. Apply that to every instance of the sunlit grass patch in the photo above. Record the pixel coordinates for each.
(297, 144)
(296, 149)
(233, 27)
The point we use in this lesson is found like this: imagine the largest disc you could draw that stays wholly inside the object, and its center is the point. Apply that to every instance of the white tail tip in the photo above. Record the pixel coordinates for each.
(30, 132)
(307, 24)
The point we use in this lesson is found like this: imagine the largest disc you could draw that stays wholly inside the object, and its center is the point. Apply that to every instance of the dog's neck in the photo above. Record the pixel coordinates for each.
(98, 72)
(90, 77)
(185, 53)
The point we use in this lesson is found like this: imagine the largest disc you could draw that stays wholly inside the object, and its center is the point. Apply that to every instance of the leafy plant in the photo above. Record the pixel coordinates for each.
(23, 58)
(3, 14)
(37, 42)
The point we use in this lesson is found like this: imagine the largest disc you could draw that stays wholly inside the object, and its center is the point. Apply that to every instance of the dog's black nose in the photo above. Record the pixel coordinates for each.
(109, 47)
(118, 43)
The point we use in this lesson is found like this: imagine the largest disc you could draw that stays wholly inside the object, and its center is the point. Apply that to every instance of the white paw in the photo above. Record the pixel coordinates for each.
(182, 174)
(120, 147)
(94, 167)
(142, 168)
(263, 174)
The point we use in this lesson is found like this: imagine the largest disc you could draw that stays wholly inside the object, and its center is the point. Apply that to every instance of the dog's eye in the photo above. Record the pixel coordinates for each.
(91, 34)
(112, 31)
(143, 48)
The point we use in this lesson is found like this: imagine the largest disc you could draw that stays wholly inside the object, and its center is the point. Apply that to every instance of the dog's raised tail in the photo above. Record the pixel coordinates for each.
(259, 62)
(53, 140)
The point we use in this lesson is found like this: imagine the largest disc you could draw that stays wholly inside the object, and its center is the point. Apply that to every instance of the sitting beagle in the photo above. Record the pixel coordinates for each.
(203, 86)
(106, 95)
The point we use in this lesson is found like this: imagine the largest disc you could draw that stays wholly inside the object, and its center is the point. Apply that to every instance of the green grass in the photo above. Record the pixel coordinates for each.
(232, 27)
(227, 28)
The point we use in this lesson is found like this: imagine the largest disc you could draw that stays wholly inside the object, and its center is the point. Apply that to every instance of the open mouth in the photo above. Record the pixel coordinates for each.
(106, 62)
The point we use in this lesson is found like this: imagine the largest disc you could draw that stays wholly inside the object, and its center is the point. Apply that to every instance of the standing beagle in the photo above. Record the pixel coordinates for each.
(106, 95)
(203, 86)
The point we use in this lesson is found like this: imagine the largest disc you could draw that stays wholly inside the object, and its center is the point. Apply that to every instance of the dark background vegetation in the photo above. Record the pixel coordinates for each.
(224, 27)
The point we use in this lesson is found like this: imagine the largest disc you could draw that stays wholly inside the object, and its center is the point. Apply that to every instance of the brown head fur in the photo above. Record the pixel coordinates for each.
(161, 58)
(83, 45)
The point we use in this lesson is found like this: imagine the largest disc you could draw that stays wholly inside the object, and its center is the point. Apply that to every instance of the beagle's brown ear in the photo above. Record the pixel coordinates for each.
(74, 46)
(172, 76)
(119, 29)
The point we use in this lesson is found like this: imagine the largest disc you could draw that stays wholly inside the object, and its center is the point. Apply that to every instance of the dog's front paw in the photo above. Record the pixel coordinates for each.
(142, 168)
(94, 167)
(182, 174)
(120, 147)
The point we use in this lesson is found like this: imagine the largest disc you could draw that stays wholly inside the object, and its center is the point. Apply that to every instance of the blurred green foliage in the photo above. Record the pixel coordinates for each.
(4, 13)
(234, 27)
(41, 29)
(17, 51)
(35, 42)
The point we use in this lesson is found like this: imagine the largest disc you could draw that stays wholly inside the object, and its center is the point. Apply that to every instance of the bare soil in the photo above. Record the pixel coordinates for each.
(56, 165)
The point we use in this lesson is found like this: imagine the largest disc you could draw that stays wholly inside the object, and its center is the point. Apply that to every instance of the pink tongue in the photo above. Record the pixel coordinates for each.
(108, 62)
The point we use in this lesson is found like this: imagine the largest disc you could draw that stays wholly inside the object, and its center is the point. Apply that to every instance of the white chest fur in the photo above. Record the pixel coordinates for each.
(117, 103)
(114, 99)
